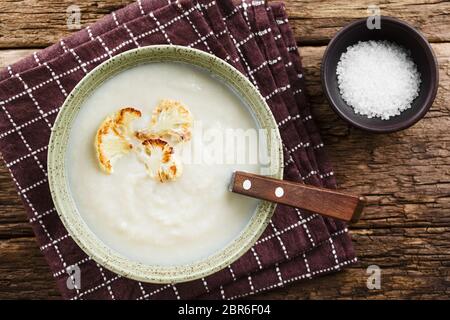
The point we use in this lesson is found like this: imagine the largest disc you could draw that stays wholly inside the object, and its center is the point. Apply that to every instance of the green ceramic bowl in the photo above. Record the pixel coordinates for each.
(64, 201)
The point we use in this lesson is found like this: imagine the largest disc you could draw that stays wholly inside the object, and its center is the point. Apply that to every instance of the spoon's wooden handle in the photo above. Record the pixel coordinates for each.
(324, 201)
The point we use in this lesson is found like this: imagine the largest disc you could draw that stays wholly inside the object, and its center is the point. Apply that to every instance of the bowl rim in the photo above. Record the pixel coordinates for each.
(65, 204)
(431, 95)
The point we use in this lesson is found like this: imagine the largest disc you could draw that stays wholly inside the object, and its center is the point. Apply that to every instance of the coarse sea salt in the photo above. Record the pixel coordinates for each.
(378, 78)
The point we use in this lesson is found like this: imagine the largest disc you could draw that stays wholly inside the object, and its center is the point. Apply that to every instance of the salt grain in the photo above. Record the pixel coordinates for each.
(378, 78)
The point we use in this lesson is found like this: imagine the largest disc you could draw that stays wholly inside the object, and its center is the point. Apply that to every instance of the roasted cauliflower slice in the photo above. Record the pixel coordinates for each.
(170, 120)
(112, 138)
(123, 119)
(160, 161)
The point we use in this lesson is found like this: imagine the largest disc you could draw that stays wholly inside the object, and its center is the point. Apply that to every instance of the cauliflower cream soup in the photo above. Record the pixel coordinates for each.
(175, 222)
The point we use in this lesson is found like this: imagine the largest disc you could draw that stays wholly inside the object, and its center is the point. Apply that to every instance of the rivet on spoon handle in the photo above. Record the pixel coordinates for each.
(327, 202)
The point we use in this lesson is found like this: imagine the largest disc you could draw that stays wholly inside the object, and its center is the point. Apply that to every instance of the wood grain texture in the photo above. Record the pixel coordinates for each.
(40, 23)
(315, 22)
(405, 176)
(26, 24)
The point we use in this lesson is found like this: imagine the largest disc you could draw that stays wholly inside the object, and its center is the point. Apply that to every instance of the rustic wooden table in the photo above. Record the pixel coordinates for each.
(405, 176)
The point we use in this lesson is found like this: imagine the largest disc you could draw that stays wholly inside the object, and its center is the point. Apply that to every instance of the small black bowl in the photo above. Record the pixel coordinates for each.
(395, 31)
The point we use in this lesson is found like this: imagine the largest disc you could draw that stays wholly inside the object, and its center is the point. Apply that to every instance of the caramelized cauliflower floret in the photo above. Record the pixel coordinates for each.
(123, 119)
(171, 121)
(160, 161)
(111, 140)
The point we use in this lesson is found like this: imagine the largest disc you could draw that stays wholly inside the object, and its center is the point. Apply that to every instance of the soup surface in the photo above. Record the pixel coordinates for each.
(171, 223)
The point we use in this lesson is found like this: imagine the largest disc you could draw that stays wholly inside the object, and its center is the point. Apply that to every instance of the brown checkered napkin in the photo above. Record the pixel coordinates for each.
(253, 37)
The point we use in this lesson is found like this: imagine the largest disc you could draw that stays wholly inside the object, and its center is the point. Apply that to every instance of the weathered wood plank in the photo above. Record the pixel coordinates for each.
(315, 22)
(34, 23)
(24, 274)
(26, 24)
